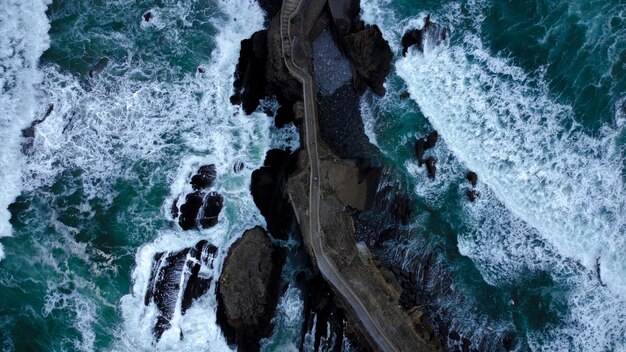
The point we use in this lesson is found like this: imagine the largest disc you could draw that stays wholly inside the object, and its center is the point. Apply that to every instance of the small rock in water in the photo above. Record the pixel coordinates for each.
(204, 177)
(148, 16)
(454, 335)
(420, 147)
(189, 210)
(98, 67)
(212, 208)
(431, 140)
(405, 95)
(175, 208)
(201, 70)
(471, 195)
(238, 166)
(508, 341)
(472, 177)
(430, 167)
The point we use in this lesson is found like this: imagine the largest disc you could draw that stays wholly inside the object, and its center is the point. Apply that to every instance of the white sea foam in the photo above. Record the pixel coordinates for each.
(552, 194)
(288, 323)
(23, 38)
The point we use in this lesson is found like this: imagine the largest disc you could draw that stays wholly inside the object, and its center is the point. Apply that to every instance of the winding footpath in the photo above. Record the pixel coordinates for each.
(325, 263)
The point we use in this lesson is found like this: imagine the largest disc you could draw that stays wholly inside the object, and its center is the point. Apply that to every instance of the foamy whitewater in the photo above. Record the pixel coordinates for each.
(23, 38)
(552, 196)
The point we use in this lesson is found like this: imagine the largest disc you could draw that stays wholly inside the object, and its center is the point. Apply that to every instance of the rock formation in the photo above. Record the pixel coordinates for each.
(249, 288)
(268, 192)
(169, 269)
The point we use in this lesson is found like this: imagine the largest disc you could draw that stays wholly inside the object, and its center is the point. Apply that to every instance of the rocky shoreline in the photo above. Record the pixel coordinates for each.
(349, 57)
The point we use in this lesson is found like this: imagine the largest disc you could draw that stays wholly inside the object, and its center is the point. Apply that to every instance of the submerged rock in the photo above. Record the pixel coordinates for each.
(401, 209)
(371, 58)
(249, 288)
(471, 195)
(178, 274)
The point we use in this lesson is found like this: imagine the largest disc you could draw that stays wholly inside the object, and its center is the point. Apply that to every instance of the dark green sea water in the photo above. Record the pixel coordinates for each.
(529, 94)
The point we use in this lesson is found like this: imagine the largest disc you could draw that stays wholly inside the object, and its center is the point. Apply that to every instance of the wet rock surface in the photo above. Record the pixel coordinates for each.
(189, 210)
(269, 195)
(430, 32)
(249, 288)
(213, 204)
(204, 177)
(371, 58)
(250, 80)
(187, 271)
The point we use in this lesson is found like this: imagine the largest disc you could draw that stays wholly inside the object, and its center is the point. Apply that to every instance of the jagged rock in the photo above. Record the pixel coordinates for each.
(405, 95)
(29, 133)
(454, 335)
(401, 209)
(248, 289)
(430, 166)
(204, 178)
(420, 148)
(148, 16)
(370, 56)
(431, 140)
(471, 195)
(169, 269)
(174, 210)
(189, 210)
(268, 192)
(472, 177)
(431, 32)
(212, 207)
(250, 83)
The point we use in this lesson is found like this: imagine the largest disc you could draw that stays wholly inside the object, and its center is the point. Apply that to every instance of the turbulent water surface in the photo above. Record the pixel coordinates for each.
(528, 94)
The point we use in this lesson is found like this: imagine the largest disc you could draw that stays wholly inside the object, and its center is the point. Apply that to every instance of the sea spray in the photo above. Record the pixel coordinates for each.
(23, 38)
(551, 191)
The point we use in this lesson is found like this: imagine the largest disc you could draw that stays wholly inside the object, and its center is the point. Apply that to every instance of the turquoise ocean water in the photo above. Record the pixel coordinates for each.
(529, 94)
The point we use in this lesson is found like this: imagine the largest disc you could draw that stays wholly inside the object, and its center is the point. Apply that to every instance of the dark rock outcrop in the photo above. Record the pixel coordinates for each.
(370, 56)
(169, 269)
(431, 32)
(430, 166)
(212, 207)
(420, 148)
(189, 210)
(472, 177)
(268, 191)
(250, 80)
(248, 289)
(204, 178)
(423, 144)
(431, 140)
